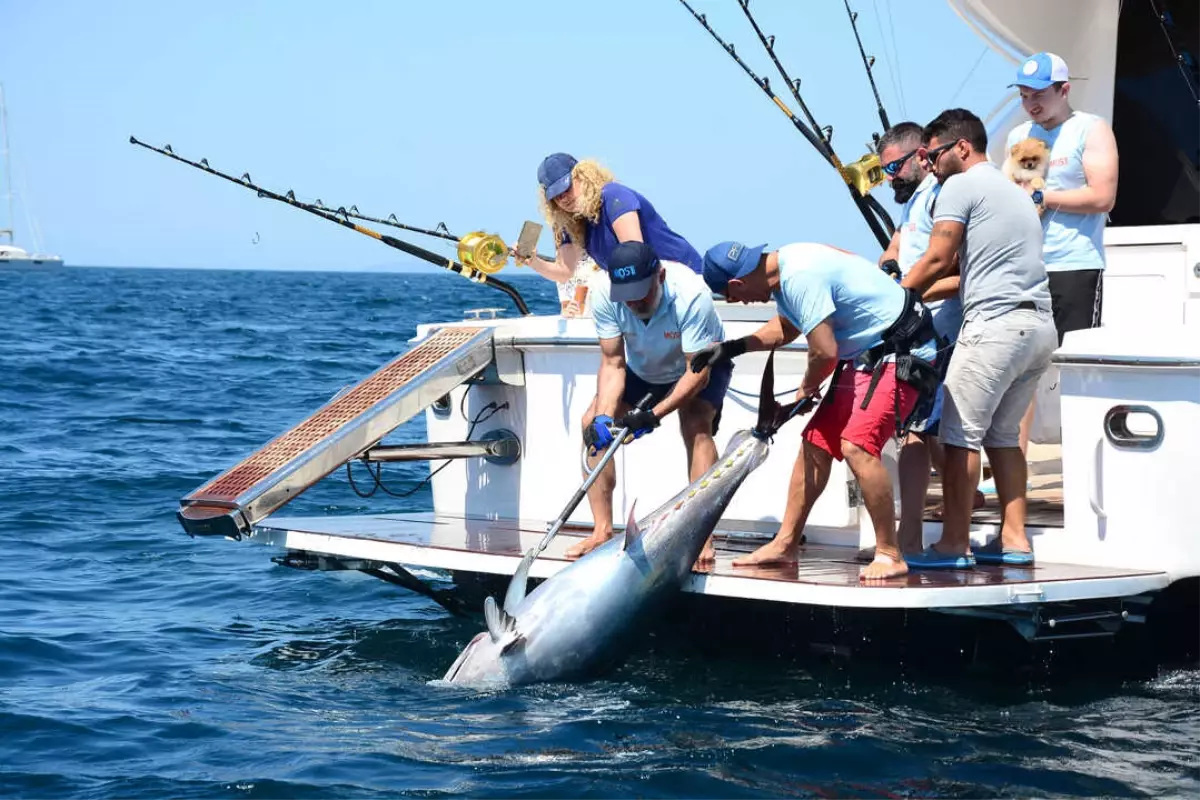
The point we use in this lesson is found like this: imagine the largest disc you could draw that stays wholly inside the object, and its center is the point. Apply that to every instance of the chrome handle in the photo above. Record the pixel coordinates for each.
(1093, 488)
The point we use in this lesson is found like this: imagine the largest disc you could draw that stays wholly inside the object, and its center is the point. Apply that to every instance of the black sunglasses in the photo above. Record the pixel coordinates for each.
(892, 167)
(930, 157)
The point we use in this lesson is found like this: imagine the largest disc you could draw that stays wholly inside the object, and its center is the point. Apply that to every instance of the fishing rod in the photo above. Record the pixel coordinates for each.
(868, 65)
(860, 177)
(871, 171)
(441, 231)
(341, 217)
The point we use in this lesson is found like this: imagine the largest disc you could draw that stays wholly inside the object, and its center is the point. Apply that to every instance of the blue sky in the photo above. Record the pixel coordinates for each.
(442, 112)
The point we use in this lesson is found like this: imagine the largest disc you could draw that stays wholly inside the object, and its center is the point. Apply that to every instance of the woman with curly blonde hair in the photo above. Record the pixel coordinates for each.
(590, 214)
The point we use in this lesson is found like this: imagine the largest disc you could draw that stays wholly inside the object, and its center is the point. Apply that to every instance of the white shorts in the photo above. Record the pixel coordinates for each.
(992, 377)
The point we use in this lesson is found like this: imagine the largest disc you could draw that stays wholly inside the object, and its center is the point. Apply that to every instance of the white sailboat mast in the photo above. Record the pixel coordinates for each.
(7, 169)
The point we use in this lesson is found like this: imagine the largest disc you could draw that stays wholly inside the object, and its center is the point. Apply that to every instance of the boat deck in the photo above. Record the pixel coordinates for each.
(1044, 499)
(825, 575)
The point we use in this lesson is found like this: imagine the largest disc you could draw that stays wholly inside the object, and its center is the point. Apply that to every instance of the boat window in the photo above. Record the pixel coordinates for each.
(1155, 116)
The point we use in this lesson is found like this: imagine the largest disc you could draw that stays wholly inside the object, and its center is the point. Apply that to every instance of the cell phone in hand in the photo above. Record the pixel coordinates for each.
(527, 241)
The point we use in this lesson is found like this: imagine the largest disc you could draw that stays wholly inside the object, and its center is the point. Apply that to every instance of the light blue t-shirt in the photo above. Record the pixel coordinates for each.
(685, 321)
(861, 301)
(1070, 241)
(916, 223)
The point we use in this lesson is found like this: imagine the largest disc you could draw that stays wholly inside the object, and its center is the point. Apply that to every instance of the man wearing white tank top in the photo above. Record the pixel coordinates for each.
(1081, 188)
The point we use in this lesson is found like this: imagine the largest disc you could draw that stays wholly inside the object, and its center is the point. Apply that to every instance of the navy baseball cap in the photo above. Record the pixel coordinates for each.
(1041, 70)
(728, 260)
(632, 270)
(554, 174)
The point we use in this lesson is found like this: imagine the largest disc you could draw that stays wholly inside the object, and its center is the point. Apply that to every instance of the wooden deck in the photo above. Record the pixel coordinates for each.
(825, 575)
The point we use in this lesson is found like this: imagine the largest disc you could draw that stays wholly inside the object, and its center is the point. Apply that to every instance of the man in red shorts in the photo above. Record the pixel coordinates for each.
(874, 337)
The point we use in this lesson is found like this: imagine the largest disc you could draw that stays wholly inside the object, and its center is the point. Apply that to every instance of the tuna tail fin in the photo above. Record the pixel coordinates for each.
(632, 531)
(519, 582)
(499, 622)
(771, 415)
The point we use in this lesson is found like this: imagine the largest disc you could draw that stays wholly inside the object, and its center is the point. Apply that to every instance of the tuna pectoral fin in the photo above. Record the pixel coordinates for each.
(500, 623)
(519, 582)
(632, 531)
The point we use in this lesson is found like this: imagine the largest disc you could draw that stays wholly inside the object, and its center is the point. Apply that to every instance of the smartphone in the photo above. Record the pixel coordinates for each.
(527, 241)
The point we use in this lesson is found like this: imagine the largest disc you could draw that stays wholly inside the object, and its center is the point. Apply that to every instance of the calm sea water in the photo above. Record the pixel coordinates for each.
(136, 662)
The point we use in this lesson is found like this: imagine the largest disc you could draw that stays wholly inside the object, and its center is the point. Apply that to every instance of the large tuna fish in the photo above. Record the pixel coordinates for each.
(583, 621)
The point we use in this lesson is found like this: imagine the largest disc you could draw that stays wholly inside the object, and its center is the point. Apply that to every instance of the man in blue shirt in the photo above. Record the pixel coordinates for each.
(876, 340)
(651, 318)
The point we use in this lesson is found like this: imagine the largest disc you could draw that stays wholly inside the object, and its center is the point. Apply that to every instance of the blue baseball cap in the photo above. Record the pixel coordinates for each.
(554, 174)
(728, 260)
(632, 270)
(1041, 70)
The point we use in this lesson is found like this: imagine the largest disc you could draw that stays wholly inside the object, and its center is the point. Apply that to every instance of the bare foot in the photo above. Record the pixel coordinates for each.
(773, 552)
(708, 557)
(589, 544)
(883, 567)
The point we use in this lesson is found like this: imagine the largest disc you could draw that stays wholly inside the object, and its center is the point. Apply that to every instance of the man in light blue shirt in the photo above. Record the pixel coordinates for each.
(875, 339)
(1081, 188)
(651, 318)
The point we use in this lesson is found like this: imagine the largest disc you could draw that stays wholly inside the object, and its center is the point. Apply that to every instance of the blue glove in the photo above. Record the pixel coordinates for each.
(639, 422)
(597, 435)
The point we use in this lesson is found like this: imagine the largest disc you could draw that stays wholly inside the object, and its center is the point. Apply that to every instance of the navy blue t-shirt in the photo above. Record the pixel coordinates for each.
(616, 200)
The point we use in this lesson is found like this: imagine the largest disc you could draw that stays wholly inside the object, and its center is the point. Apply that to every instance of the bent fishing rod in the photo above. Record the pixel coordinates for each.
(469, 272)
(859, 176)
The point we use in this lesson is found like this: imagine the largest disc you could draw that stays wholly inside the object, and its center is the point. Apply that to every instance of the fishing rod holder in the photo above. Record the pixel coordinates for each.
(500, 446)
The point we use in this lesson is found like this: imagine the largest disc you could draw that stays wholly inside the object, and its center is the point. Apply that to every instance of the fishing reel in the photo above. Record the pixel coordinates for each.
(483, 252)
(864, 174)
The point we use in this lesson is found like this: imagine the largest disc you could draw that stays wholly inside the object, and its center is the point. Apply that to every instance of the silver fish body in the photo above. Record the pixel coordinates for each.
(583, 621)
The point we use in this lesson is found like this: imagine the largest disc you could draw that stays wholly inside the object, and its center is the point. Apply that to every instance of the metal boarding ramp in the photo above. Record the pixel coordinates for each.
(349, 424)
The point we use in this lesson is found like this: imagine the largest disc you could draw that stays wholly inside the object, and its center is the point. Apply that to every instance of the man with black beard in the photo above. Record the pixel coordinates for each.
(916, 188)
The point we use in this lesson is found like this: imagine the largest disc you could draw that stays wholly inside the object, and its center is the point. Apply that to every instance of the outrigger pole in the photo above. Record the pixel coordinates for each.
(341, 217)
(860, 176)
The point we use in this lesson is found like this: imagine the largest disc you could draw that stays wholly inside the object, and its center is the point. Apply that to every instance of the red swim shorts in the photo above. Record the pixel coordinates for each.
(840, 417)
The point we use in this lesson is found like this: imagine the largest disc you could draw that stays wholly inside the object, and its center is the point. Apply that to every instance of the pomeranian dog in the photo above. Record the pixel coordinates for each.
(1027, 163)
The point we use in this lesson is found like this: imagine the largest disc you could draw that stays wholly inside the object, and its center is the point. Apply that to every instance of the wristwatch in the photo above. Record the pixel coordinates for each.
(1037, 197)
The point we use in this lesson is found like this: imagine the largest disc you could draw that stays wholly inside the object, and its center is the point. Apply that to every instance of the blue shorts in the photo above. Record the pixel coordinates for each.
(713, 394)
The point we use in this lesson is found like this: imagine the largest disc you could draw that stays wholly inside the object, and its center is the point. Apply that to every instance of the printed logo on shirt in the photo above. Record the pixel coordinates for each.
(672, 335)
(1060, 162)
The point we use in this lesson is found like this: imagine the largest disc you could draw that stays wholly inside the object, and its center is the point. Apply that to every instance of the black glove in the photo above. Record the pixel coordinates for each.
(891, 267)
(598, 434)
(639, 422)
(717, 352)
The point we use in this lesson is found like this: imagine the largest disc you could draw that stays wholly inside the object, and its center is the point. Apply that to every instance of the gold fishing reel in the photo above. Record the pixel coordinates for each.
(483, 252)
(864, 174)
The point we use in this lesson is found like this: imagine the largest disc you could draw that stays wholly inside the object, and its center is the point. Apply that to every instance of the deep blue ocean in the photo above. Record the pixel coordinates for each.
(138, 662)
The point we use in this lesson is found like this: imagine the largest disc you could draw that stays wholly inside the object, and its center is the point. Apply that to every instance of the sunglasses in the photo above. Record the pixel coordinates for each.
(892, 167)
(930, 157)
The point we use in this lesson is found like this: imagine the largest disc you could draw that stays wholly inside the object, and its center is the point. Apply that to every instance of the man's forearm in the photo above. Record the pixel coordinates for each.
(1084, 200)
(925, 272)
(942, 288)
(819, 368)
(610, 385)
(768, 337)
(687, 387)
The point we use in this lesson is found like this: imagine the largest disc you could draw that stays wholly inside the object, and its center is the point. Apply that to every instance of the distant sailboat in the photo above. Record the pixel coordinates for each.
(12, 256)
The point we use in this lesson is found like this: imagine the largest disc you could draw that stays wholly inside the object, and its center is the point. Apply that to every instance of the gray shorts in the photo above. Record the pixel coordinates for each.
(992, 377)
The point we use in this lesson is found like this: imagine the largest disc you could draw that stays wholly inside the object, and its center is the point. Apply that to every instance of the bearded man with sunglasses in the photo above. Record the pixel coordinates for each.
(987, 225)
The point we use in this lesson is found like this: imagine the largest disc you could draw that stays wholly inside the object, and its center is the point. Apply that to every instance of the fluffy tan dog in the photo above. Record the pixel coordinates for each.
(1027, 163)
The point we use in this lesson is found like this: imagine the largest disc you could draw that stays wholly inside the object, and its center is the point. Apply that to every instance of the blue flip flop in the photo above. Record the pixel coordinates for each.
(993, 553)
(932, 559)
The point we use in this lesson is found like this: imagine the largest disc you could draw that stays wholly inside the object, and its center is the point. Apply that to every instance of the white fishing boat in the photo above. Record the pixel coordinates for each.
(1115, 534)
(11, 256)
